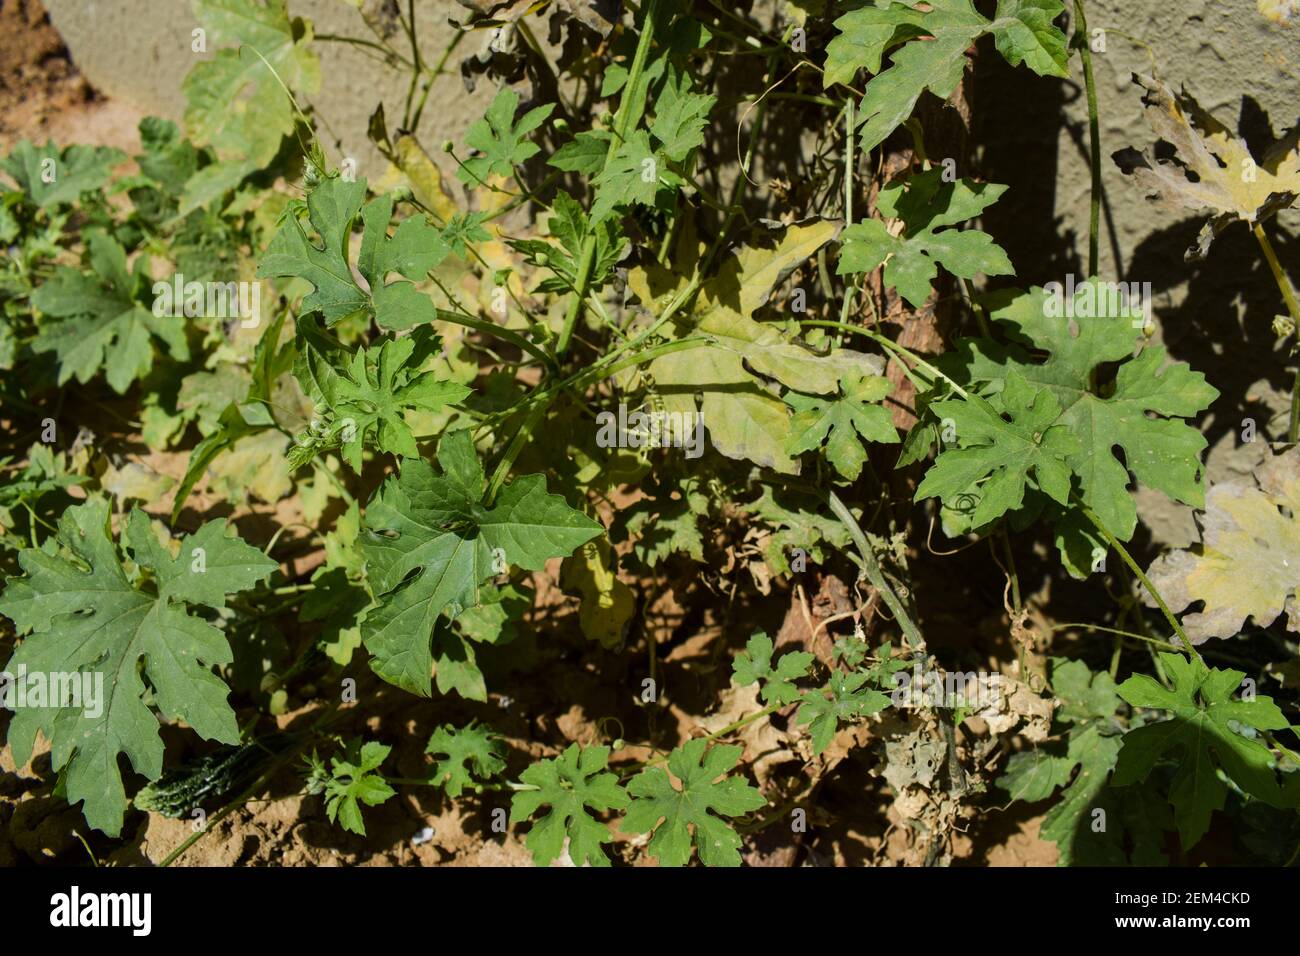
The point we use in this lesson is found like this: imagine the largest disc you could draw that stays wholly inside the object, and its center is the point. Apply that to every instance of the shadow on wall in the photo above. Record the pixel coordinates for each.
(1217, 314)
(1017, 119)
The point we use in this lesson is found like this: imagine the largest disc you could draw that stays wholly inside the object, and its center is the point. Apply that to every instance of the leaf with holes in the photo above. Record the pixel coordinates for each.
(1212, 169)
(1001, 448)
(1142, 413)
(467, 754)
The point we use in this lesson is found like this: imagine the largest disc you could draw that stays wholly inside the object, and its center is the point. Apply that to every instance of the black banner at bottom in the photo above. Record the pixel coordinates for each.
(497, 906)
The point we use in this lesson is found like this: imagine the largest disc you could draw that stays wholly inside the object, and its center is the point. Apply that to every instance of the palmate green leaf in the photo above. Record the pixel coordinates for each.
(1034, 775)
(928, 208)
(236, 101)
(371, 394)
(849, 699)
(168, 158)
(630, 177)
(692, 811)
(430, 543)
(468, 753)
(464, 228)
(332, 207)
(755, 664)
(1093, 752)
(84, 615)
(843, 423)
(680, 116)
(661, 525)
(932, 54)
(52, 177)
(353, 782)
(1087, 703)
(105, 323)
(570, 226)
(501, 143)
(1134, 815)
(1140, 415)
(584, 154)
(1002, 453)
(571, 785)
(1204, 735)
(38, 493)
(796, 521)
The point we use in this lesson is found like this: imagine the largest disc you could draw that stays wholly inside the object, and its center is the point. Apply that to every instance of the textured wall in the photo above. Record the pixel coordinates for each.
(139, 51)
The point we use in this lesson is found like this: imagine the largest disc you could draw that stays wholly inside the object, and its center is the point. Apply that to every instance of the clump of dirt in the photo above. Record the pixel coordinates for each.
(38, 81)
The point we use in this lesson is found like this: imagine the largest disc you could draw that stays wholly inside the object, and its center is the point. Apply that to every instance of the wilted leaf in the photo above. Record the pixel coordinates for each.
(1214, 169)
(607, 603)
(1249, 561)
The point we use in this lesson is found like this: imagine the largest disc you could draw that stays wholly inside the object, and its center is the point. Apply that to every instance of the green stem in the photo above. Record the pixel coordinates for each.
(898, 350)
(871, 565)
(849, 125)
(514, 338)
(732, 727)
(1094, 136)
(1292, 306)
(1164, 645)
(502, 470)
(417, 67)
(1187, 646)
(630, 108)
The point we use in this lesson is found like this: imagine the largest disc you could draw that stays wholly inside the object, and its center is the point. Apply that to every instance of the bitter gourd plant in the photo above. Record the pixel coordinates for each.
(455, 432)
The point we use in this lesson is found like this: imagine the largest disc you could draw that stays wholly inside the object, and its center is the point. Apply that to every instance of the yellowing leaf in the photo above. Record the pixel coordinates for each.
(1249, 564)
(755, 271)
(745, 418)
(1281, 12)
(607, 603)
(1214, 169)
(255, 466)
(136, 481)
(424, 176)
